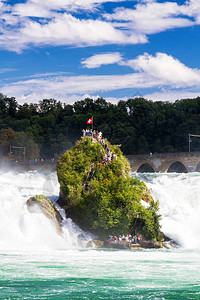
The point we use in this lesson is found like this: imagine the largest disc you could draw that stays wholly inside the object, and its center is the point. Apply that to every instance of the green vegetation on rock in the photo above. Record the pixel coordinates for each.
(104, 198)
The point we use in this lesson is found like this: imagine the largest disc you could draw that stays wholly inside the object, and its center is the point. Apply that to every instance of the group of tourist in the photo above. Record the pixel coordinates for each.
(109, 155)
(92, 133)
(125, 239)
(40, 160)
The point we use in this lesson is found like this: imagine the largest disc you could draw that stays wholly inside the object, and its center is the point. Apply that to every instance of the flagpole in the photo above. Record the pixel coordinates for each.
(92, 123)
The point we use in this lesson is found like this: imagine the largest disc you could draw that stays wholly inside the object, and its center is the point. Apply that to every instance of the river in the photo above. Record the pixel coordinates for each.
(37, 263)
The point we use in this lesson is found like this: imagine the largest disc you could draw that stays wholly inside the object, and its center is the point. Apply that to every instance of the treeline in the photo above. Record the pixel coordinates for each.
(50, 127)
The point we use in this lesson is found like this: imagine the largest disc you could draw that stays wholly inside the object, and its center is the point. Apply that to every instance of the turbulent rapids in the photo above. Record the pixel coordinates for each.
(178, 195)
(38, 263)
(22, 230)
(179, 199)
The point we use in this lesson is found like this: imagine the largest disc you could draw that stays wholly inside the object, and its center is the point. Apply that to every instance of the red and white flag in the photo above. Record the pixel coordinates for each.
(90, 121)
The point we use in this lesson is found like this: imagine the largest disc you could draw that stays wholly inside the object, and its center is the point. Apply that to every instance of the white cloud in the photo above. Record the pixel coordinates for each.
(45, 8)
(5, 70)
(3, 6)
(162, 68)
(65, 29)
(9, 19)
(166, 69)
(30, 7)
(96, 61)
(152, 17)
(54, 23)
(146, 1)
(192, 9)
(160, 71)
(61, 87)
(172, 95)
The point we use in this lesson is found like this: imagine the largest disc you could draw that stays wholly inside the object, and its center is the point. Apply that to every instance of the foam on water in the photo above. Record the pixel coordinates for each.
(100, 274)
(20, 229)
(178, 195)
(179, 199)
(55, 268)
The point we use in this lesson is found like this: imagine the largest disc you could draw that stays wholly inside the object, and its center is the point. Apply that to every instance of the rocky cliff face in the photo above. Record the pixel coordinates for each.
(99, 194)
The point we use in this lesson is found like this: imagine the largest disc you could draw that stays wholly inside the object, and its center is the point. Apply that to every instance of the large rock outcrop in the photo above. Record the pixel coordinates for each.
(40, 203)
(102, 197)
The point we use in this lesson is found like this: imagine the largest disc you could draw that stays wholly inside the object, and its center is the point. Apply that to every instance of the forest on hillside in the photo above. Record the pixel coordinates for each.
(49, 128)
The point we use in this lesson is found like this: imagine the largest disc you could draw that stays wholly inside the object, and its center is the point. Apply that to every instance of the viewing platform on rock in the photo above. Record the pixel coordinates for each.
(132, 245)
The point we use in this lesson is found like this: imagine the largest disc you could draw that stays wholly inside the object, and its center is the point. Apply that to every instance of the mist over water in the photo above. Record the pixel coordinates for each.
(22, 230)
(178, 195)
(179, 199)
(37, 263)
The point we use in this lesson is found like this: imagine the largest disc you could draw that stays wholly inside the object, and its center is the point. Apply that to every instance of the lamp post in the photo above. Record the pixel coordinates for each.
(10, 152)
(24, 153)
(189, 142)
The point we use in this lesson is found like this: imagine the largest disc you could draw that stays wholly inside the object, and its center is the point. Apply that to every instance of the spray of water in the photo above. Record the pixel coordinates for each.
(179, 199)
(178, 195)
(20, 229)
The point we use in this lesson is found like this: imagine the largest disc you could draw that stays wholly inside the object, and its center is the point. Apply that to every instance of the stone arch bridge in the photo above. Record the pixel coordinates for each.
(182, 162)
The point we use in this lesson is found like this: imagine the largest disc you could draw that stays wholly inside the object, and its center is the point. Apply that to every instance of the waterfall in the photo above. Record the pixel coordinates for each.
(178, 195)
(20, 229)
(179, 200)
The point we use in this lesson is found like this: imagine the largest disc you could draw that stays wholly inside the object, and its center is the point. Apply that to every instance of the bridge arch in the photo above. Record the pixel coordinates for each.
(177, 167)
(198, 167)
(166, 162)
(145, 168)
(173, 166)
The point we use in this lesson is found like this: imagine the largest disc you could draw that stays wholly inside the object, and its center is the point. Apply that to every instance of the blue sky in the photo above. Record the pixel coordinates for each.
(72, 49)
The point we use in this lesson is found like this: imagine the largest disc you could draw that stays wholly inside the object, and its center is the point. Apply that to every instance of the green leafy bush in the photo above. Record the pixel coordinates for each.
(105, 198)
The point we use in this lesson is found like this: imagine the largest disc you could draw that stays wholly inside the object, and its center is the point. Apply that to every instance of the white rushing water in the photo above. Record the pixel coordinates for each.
(178, 195)
(37, 263)
(179, 200)
(20, 229)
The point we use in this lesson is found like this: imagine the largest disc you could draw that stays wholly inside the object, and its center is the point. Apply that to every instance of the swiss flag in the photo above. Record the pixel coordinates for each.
(90, 121)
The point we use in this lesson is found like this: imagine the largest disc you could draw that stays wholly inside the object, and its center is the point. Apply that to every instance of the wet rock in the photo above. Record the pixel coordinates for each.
(95, 244)
(40, 203)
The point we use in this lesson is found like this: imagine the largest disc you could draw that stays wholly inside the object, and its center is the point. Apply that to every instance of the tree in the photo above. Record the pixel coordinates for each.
(49, 105)
(32, 149)
(11, 105)
(143, 145)
(7, 138)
